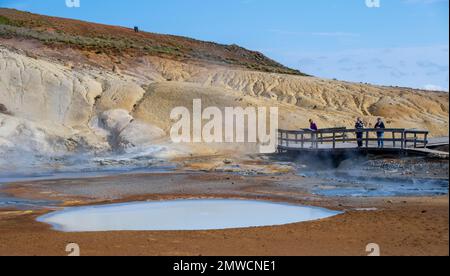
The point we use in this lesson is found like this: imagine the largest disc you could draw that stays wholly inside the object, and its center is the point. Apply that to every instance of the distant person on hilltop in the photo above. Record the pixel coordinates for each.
(380, 134)
(313, 127)
(359, 125)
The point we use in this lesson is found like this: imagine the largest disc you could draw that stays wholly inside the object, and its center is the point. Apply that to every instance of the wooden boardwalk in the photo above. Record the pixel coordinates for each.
(346, 140)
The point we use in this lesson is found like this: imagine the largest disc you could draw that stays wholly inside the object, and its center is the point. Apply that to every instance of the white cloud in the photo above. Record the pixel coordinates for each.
(416, 67)
(432, 87)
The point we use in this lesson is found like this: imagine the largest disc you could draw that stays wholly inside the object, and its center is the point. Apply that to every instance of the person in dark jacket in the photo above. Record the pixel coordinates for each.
(314, 128)
(359, 125)
(380, 134)
(313, 125)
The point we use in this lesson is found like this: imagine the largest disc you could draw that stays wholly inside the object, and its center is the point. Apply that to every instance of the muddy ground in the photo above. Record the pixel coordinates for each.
(400, 225)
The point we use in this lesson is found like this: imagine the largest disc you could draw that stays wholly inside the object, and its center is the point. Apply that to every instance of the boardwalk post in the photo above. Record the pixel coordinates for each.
(334, 140)
(403, 140)
(317, 142)
(287, 139)
(415, 140)
(280, 138)
(303, 140)
(367, 139)
(393, 138)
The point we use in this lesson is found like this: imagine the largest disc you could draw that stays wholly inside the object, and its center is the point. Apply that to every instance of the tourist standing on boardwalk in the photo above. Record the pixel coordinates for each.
(313, 127)
(380, 134)
(359, 125)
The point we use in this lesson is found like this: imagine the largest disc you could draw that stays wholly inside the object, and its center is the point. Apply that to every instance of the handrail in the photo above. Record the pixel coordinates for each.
(400, 137)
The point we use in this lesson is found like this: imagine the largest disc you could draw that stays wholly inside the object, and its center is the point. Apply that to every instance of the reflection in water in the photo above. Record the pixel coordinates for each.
(24, 204)
(182, 215)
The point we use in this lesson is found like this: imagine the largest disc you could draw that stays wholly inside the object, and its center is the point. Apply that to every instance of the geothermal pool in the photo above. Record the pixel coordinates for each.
(182, 215)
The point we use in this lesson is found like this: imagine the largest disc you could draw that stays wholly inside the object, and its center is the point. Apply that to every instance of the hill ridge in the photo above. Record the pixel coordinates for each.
(119, 40)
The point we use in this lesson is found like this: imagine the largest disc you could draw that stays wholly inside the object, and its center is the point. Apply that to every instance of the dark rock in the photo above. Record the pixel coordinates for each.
(4, 110)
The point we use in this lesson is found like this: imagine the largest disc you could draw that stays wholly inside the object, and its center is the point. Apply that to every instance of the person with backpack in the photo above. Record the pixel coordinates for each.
(380, 134)
(359, 125)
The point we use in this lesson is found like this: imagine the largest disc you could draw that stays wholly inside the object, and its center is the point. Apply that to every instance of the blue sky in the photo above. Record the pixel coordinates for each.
(401, 42)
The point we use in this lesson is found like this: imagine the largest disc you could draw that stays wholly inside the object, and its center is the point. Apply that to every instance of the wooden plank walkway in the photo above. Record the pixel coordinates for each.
(345, 140)
(436, 153)
(438, 142)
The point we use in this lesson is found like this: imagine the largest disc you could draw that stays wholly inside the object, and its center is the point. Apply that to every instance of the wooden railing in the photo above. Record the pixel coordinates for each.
(395, 138)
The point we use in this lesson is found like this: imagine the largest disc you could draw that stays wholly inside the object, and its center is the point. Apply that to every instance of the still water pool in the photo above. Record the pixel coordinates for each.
(182, 215)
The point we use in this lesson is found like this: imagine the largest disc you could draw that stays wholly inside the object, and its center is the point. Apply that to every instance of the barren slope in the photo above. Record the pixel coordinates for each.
(120, 41)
